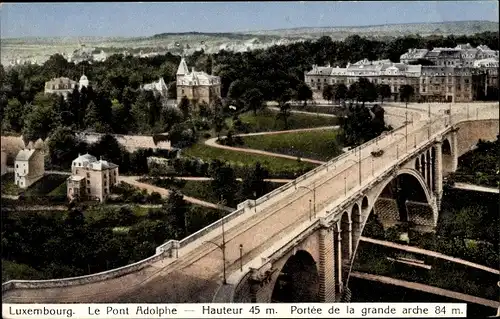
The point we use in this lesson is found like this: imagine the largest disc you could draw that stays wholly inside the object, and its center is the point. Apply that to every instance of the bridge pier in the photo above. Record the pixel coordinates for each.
(338, 260)
(438, 173)
(454, 150)
(326, 265)
(430, 170)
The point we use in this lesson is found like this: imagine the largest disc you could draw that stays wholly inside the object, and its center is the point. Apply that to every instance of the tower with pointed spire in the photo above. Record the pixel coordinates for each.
(196, 86)
(84, 81)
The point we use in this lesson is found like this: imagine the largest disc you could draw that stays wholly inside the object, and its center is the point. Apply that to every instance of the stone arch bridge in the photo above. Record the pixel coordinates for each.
(309, 228)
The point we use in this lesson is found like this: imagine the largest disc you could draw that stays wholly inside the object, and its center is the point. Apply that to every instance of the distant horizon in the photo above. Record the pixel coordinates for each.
(132, 20)
(250, 31)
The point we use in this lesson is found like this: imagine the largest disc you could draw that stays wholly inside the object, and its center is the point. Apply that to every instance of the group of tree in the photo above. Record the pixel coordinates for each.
(42, 245)
(479, 166)
(362, 123)
(225, 186)
(115, 102)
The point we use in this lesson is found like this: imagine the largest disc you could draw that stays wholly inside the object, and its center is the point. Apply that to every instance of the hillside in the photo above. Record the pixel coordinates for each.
(41, 48)
(389, 30)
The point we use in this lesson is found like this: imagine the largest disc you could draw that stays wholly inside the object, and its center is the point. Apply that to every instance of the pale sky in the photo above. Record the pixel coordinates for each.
(146, 19)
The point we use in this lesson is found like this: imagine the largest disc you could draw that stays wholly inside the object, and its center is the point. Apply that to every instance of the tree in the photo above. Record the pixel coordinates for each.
(38, 123)
(406, 93)
(92, 119)
(218, 120)
(120, 117)
(284, 106)
(254, 184)
(365, 91)
(109, 148)
(63, 146)
(11, 119)
(176, 207)
(223, 182)
(304, 93)
(254, 100)
(204, 110)
(185, 106)
(340, 91)
(328, 93)
(384, 91)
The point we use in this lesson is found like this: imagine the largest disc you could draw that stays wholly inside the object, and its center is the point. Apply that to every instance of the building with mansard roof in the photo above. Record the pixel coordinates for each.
(197, 86)
(430, 83)
(91, 178)
(463, 55)
(60, 86)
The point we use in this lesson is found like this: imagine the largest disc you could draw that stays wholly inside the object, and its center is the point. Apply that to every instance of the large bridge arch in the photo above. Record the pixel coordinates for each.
(375, 195)
(298, 280)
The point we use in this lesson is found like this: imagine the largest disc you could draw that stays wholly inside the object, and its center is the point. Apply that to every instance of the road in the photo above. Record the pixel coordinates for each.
(196, 275)
(427, 289)
(430, 253)
(477, 188)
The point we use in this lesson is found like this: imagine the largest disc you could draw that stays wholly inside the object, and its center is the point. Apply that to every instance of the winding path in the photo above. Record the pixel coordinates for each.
(133, 180)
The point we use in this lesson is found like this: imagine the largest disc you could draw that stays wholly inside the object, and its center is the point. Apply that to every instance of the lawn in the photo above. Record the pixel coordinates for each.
(265, 120)
(320, 145)
(199, 189)
(46, 185)
(277, 166)
(60, 190)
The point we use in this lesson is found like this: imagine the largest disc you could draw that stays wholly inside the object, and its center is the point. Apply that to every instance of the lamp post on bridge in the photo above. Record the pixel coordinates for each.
(222, 246)
(313, 190)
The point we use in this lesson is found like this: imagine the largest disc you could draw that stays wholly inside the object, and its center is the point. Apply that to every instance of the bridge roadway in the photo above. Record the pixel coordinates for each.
(196, 275)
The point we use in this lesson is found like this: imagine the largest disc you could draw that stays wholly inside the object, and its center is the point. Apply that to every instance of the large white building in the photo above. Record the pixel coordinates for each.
(29, 166)
(379, 72)
(430, 83)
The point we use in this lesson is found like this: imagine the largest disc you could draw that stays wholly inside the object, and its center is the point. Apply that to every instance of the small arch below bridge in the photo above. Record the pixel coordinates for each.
(298, 280)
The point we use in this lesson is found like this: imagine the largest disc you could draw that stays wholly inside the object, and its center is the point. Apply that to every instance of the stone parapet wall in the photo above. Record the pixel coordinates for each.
(81, 280)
